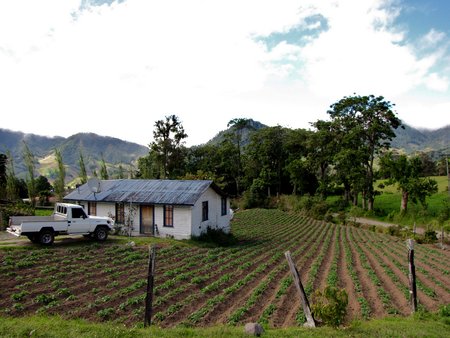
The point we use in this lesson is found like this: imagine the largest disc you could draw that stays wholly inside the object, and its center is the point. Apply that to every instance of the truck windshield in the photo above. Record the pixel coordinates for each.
(78, 213)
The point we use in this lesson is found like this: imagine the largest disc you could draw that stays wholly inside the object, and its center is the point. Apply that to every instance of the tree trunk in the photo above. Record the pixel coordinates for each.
(404, 204)
(355, 198)
(370, 203)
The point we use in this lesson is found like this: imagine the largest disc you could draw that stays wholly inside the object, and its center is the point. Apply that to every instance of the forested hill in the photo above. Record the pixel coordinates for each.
(245, 137)
(93, 147)
(410, 139)
(116, 151)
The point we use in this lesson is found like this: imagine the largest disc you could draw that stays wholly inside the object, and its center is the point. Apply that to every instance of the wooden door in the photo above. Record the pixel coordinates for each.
(146, 219)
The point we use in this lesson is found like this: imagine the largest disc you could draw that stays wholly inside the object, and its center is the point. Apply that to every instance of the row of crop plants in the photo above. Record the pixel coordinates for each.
(271, 257)
(309, 248)
(275, 275)
(425, 282)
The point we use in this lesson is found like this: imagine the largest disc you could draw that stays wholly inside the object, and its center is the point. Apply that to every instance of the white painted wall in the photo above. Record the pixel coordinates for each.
(187, 220)
(181, 222)
(215, 219)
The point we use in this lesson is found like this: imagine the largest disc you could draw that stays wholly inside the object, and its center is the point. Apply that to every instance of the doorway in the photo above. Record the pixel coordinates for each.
(146, 220)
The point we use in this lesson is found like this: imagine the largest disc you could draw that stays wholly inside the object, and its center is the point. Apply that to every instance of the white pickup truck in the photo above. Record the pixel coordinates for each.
(67, 219)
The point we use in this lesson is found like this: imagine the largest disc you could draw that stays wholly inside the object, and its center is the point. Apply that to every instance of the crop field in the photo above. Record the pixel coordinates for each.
(198, 286)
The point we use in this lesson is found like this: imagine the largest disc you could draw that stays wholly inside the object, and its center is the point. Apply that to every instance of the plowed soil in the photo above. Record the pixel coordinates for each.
(198, 286)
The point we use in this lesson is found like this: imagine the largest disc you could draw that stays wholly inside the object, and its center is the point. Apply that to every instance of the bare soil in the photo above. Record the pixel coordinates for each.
(77, 278)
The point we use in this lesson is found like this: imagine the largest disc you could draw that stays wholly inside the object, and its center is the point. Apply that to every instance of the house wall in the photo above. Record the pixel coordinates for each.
(215, 219)
(181, 222)
(187, 220)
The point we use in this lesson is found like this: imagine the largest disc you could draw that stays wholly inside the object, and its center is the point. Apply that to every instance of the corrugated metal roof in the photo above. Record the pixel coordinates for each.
(178, 192)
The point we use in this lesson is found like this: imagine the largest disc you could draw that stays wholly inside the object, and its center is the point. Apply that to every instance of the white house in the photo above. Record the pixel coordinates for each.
(164, 208)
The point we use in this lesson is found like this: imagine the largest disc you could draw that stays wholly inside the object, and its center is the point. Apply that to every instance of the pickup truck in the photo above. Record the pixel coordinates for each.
(67, 219)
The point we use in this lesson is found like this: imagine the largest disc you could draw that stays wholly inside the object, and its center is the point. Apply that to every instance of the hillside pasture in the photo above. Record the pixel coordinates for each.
(388, 202)
(202, 287)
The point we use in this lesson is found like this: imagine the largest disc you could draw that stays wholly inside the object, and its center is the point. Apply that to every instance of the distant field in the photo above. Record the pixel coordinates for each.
(205, 287)
(390, 198)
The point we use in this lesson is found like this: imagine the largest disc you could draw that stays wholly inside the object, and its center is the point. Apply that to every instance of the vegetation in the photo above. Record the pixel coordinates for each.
(199, 285)
(430, 325)
(330, 305)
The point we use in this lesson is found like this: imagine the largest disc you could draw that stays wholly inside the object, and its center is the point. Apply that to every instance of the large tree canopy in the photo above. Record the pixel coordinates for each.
(406, 173)
(364, 124)
(168, 143)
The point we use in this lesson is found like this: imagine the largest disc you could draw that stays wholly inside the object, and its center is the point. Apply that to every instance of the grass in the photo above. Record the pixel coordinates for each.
(430, 325)
(43, 212)
(387, 205)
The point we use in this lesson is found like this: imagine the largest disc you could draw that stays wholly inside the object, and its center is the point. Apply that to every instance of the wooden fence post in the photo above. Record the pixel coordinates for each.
(412, 275)
(150, 279)
(310, 322)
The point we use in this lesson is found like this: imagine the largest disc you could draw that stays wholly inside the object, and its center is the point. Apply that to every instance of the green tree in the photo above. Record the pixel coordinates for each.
(321, 150)
(168, 146)
(43, 189)
(82, 173)
(103, 170)
(60, 176)
(120, 174)
(12, 184)
(3, 176)
(30, 163)
(148, 167)
(405, 173)
(237, 127)
(267, 157)
(368, 123)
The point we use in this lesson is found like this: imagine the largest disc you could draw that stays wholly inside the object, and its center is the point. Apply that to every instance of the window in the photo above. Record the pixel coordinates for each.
(78, 213)
(204, 211)
(120, 213)
(92, 208)
(168, 215)
(223, 204)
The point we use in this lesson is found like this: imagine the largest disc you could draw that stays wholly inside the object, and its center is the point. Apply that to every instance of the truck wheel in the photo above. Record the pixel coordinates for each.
(46, 237)
(101, 234)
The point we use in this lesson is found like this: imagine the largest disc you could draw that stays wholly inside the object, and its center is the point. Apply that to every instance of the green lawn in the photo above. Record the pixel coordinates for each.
(427, 326)
(387, 205)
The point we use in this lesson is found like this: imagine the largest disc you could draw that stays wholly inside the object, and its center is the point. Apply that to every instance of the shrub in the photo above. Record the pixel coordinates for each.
(217, 237)
(319, 210)
(430, 236)
(330, 305)
(15, 209)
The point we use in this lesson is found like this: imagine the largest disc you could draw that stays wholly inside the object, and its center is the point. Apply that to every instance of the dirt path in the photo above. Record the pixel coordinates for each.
(369, 221)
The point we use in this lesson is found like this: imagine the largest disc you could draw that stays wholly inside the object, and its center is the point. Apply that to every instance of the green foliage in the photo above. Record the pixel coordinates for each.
(429, 236)
(14, 209)
(167, 146)
(82, 173)
(103, 170)
(30, 162)
(216, 237)
(60, 176)
(330, 305)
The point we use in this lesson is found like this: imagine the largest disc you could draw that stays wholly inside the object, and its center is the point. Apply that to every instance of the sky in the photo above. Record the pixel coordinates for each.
(116, 67)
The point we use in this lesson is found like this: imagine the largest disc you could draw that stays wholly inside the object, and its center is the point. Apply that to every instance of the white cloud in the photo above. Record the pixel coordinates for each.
(431, 39)
(115, 69)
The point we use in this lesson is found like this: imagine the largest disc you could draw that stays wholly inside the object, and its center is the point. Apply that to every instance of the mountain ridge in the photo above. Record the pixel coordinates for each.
(117, 152)
(94, 147)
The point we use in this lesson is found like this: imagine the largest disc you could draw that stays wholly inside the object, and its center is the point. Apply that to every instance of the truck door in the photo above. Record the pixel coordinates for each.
(78, 223)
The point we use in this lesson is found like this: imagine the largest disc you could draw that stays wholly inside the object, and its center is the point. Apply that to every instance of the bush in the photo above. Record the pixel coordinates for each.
(15, 209)
(429, 237)
(330, 305)
(217, 237)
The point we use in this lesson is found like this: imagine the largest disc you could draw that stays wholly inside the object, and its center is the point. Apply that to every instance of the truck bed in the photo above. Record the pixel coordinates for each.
(18, 220)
